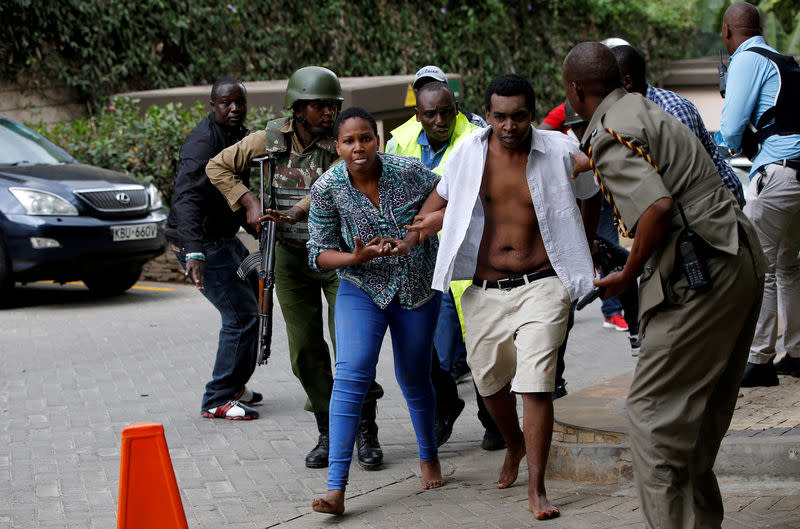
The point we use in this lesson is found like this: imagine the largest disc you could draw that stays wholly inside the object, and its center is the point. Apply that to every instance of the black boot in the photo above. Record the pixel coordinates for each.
(370, 455)
(318, 457)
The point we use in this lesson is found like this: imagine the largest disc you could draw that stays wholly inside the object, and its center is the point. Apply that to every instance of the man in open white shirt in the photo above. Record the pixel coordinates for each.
(513, 226)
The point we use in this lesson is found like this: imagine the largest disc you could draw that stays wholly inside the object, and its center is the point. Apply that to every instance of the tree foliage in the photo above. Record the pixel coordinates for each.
(781, 25)
(102, 47)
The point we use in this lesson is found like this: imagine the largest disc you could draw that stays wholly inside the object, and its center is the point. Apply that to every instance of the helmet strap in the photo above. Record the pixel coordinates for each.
(300, 117)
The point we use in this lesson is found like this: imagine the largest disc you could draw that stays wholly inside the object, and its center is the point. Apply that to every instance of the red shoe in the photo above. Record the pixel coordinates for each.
(616, 322)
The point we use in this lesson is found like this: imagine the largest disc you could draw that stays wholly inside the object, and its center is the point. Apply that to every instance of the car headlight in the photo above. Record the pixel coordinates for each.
(155, 197)
(38, 202)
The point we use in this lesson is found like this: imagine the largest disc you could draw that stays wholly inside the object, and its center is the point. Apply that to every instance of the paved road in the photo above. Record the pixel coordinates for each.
(77, 369)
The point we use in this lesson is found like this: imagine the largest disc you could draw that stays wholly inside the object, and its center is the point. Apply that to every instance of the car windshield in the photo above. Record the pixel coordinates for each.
(19, 145)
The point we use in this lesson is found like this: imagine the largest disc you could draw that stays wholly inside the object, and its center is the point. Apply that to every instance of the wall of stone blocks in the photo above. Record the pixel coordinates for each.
(23, 102)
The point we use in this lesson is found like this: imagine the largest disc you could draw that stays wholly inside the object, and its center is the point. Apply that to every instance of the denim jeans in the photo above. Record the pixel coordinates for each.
(629, 300)
(448, 340)
(298, 289)
(237, 304)
(607, 230)
(360, 327)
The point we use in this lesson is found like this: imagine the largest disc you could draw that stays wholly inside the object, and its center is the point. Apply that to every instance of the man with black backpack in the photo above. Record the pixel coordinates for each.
(761, 118)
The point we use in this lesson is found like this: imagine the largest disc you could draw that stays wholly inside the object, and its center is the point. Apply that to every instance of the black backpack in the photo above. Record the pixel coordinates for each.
(786, 111)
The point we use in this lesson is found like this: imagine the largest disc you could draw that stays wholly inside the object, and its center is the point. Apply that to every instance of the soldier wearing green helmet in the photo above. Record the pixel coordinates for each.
(303, 147)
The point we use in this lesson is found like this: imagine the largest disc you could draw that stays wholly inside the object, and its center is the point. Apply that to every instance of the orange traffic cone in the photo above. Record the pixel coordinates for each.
(148, 493)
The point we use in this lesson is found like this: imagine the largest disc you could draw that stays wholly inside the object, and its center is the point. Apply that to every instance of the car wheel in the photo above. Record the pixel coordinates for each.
(6, 281)
(113, 283)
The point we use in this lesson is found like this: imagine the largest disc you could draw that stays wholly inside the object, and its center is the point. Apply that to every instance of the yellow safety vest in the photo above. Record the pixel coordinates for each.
(405, 143)
(406, 135)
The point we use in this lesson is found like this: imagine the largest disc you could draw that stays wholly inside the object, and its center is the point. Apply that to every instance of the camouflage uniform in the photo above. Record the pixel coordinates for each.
(297, 286)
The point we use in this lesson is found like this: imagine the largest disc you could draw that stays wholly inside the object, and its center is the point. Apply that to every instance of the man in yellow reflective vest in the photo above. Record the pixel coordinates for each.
(430, 136)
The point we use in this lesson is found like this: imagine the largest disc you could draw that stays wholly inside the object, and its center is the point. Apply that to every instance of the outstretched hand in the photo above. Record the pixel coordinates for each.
(288, 216)
(580, 164)
(427, 224)
(399, 246)
(377, 247)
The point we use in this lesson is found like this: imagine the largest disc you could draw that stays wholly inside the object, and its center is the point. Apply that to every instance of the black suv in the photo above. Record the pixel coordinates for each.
(63, 220)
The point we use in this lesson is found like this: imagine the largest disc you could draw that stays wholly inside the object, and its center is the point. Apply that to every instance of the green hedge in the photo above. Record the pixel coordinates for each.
(103, 47)
(98, 48)
(119, 137)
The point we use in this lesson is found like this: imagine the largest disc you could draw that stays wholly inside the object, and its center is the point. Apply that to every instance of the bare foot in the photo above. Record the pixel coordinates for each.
(431, 474)
(510, 469)
(332, 503)
(541, 507)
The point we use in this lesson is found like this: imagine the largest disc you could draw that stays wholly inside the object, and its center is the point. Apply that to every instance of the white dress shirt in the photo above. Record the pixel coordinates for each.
(553, 192)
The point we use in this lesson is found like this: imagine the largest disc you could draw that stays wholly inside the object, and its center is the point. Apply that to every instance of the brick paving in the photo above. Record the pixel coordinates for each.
(768, 411)
(76, 370)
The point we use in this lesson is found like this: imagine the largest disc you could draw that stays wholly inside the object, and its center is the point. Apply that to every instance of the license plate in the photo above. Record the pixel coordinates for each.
(132, 232)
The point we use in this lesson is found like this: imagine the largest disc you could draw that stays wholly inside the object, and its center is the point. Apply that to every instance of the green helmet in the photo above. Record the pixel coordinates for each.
(571, 118)
(312, 82)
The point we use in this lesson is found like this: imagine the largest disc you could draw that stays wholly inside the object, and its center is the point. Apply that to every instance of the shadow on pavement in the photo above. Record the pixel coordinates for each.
(72, 295)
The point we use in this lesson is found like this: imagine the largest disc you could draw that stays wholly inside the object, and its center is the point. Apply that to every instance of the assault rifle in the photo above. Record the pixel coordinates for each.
(263, 260)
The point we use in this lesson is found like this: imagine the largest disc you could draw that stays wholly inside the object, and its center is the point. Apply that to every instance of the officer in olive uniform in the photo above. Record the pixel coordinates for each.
(304, 149)
(695, 341)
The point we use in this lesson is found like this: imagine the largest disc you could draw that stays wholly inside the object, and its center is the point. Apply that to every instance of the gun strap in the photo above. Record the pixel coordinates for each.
(623, 230)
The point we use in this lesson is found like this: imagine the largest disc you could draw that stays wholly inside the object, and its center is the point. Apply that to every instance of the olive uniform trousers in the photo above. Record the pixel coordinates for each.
(685, 387)
(300, 290)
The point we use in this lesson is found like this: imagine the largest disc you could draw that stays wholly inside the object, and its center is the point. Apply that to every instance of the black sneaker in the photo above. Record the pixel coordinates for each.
(460, 373)
(636, 344)
(443, 426)
(758, 375)
(492, 440)
(560, 391)
(788, 365)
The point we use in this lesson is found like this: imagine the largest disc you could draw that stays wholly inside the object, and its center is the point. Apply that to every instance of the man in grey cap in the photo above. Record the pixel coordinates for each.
(430, 136)
(429, 73)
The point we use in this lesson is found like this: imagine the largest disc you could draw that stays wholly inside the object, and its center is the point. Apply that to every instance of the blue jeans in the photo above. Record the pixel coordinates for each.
(448, 340)
(360, 327)
(628, 300)
(607, 230)
(237, 304)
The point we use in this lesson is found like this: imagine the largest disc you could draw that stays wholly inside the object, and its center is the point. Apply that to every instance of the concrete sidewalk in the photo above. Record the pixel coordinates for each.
(590, 439)
(76, 370)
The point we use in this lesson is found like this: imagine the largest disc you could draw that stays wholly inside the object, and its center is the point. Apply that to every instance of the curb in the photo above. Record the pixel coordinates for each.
(741, 458)
(591, 445)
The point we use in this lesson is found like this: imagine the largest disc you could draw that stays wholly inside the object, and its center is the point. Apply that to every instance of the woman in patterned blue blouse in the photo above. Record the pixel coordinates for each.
(358, 212)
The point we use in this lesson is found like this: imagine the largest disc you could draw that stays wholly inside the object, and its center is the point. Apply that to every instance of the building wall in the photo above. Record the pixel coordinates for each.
(706, 99)
(50, 105)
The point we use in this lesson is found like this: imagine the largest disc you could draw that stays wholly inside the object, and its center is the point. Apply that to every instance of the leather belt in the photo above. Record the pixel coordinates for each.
(513, 282)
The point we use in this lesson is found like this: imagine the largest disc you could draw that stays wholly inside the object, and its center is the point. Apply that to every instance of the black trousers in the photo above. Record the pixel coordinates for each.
(447, 395)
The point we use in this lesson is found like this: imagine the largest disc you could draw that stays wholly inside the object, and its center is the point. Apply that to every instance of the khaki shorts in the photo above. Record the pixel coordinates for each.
(514, 335)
